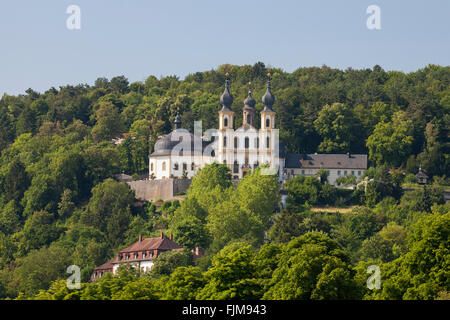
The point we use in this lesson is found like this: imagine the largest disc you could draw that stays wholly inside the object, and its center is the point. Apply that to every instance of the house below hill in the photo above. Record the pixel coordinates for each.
(140, 254)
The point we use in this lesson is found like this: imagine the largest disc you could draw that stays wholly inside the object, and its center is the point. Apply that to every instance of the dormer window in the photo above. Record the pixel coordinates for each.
(135, 256)
(144, 255)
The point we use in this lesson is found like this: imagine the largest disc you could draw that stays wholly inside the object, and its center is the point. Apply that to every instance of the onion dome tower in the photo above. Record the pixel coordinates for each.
(249, 110)
(177, 121)
(226, 115)
(267, 114)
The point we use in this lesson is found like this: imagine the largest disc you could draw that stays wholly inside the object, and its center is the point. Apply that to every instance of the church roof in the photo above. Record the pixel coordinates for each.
(165, 144)
(246, 127)
(332, 161)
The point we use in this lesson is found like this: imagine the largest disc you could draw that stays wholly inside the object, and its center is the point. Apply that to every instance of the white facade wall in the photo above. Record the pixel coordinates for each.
(191, 164)
(334, 173)
(255, 154)
(161, 167)
(145, 265)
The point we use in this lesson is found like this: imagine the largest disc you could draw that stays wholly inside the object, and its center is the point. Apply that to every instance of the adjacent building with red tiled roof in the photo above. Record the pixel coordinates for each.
(140, 254)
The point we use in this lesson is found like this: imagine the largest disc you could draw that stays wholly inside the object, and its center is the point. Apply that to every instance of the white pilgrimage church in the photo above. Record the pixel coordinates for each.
(181, 153)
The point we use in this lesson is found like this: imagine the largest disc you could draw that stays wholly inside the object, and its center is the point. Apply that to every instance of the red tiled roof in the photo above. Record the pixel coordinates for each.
(158, 243)
(107, 265)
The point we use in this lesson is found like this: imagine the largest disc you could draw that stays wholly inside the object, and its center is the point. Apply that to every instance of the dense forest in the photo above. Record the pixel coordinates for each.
(60, 204)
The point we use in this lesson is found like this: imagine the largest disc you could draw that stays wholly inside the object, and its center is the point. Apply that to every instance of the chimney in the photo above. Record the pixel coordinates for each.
(171, 236)
(140, 237)
(162, 235)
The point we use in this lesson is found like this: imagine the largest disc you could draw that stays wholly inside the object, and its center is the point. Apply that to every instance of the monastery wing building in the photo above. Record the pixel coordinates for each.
(181, 153)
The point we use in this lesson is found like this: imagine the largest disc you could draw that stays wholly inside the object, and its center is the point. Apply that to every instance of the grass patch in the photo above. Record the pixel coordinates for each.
(332, 209)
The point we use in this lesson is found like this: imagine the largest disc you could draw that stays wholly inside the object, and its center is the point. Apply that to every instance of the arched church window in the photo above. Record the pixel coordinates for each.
(175, 166)
(192, 166)
(184, 166)
(267, 142)
(249, 119)
(225, 122)
(267, 123)
(236, 167)
(236, 143)
(224, 142)
(257, 143)
(246, 143)
(164, 166)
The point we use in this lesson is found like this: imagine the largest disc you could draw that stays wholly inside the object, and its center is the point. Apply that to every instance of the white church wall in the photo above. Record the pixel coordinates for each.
(161, 166)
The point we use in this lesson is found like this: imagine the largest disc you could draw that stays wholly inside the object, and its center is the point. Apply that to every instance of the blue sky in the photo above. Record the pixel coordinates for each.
(137, 38)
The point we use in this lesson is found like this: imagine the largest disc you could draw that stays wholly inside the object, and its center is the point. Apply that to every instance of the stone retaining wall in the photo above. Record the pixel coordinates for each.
(165, 189)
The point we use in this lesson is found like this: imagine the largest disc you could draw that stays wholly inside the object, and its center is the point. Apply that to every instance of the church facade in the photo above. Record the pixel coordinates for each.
(181, 153)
